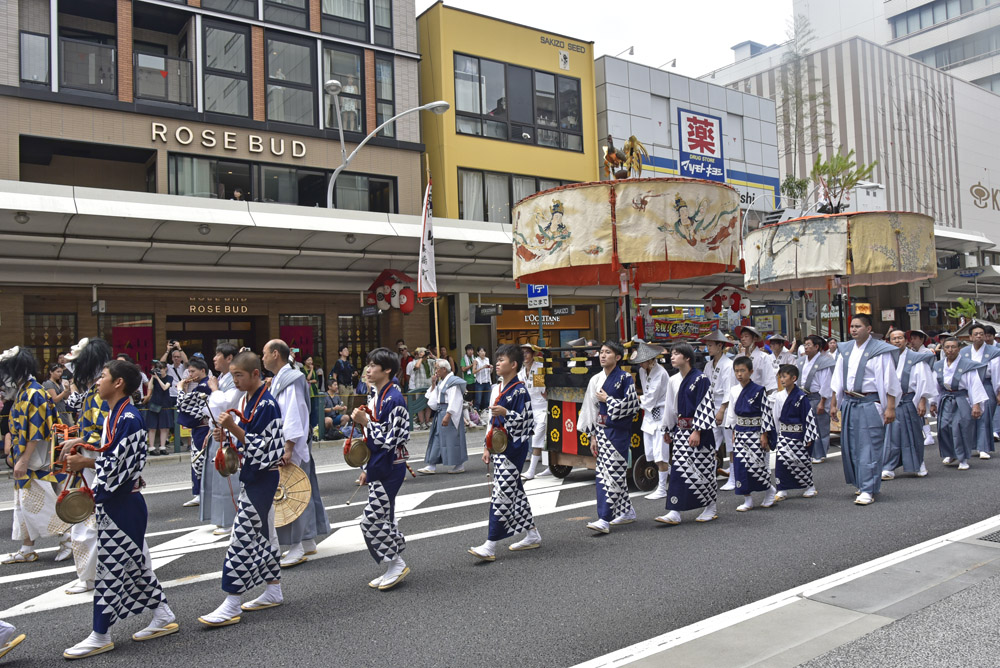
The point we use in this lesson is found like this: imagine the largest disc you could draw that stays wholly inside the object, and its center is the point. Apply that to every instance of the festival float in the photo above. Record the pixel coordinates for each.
(622, 233)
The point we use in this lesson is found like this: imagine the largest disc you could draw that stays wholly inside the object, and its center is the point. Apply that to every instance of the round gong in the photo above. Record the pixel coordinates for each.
(356, 452)
(74, 506)
(230, 461)
(497, 441)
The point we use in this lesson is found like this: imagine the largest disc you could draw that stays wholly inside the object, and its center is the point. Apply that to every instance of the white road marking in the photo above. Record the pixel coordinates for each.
(729, 618)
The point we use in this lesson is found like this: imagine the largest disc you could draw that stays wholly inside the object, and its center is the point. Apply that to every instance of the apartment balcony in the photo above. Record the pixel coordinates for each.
(164, 79)
(87, 66)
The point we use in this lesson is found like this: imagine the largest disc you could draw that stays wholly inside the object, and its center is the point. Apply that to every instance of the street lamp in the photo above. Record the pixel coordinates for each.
(333, 87)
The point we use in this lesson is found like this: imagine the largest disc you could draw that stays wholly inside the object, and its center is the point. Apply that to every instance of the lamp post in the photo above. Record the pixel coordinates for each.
(333, 87)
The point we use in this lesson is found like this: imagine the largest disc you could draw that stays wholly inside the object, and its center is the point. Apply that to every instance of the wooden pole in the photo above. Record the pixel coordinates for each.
(437, 339)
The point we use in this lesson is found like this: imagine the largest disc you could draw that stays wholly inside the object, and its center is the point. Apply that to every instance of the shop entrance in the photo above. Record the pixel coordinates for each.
(201, 334)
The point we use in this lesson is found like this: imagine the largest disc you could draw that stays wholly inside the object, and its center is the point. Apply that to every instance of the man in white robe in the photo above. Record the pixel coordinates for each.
(446, 443)
(719, 370)
(765, 373)
(653, 379)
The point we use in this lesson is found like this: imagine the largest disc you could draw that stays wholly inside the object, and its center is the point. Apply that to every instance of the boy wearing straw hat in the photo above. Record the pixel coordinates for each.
(764, 372)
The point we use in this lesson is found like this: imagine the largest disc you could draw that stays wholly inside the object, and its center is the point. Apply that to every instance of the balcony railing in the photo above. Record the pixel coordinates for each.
(164, 78)
(34, 58)
(87, 66)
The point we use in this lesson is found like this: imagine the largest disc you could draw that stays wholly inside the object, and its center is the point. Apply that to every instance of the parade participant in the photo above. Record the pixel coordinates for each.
(8, 638)
(904, 441)
(88, 357)
(192, 413)
(606, 414)
(126, 583)
(719, 370)
(288, 387)
(748, 402)
(653, 379)
(790, 421)
(988, 359)
(252, 556)
(959, 401)
(763, 364)
(446, 442)
(815, 372)
(779, 348)
(217, 491)
(31, 431)
(388, 431)
(916, 340)
(688, 421)
(530, 374)
(865, 385)
(510, 412)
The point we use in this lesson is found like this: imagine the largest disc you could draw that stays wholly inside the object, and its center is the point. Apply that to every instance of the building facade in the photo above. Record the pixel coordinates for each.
(929, 133)
(522, 117)
(649, 103)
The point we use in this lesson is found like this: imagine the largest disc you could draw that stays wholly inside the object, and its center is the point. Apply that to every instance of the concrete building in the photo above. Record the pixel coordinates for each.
(930, 132)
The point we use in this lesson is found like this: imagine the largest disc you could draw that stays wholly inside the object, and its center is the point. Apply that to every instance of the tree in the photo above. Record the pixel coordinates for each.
(838, 176)
(801, 105)
(966, 309)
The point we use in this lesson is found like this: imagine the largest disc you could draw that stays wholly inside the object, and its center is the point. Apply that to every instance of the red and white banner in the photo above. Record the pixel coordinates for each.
(427, 276)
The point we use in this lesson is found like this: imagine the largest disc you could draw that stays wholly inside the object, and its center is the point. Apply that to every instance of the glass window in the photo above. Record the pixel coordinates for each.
(287, 61)
(311, 345)
(520, 95)
(497, 198)
(467, 96)
(548, 184)
(953, 8)
(287, 12)
(227, 87)
(291, 91)
(493, 89)
(48, 335)
(238, 7)
(569, 104)
(358, 192)
(345, 67)
(545, 99)
(912, 22)
(926, 17)
(224, 95)
(383, 22)
(470, 195)
(34, 58)
(345, 18)
(517, 104)
(384, 96)
(287, 185)
(940, 12)
(207, 177)
(523, 186)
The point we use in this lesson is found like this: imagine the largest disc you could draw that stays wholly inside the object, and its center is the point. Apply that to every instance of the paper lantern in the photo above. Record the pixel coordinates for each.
(382, 297)
(717, 304)
(370, 299)
(407, 300)
(745, 309)
(735, 301)
(394, 294)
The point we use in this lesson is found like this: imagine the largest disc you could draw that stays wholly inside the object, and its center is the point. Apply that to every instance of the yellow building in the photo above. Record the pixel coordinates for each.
(522, 115)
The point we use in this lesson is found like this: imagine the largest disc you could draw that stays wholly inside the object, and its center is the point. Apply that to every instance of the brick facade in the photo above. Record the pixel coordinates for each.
(315, 20)
(370, 118)
(258, 73)
(125, 71)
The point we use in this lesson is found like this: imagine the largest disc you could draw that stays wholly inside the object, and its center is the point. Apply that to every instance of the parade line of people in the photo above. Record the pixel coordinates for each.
(770, 415)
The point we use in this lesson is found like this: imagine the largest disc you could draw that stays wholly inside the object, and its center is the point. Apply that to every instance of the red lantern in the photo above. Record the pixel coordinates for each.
(736, 301)
(407, 300)
(717, 304)
(370, 299)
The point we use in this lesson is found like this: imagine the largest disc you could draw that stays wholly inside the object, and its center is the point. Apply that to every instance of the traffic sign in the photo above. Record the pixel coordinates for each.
(538, 296)
(913, 308)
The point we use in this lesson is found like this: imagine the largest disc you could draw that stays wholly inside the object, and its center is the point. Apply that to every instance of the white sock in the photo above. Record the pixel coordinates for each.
(534, 464)
(663, 478)
(533, 534)
(163, 615)
(99, 638)
(230, 608)
(308, 545)
(747, 499)
(396, 566)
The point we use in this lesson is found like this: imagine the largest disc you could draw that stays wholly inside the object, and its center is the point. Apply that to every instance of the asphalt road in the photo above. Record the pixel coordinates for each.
(577, 597)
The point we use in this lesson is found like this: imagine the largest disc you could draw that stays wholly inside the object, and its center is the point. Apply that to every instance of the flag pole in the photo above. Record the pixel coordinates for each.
(437, 340)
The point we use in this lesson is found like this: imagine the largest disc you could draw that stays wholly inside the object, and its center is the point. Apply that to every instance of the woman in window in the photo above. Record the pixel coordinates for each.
(349, 106)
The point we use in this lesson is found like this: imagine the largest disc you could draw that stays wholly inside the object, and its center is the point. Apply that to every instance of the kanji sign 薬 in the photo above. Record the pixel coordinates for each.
(700, 145)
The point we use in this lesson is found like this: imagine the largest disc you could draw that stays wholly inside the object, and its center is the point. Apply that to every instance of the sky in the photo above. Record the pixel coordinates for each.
(698, 33)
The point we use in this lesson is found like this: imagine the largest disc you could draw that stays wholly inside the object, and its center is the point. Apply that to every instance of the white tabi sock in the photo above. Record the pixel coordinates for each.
(6, 632)
(396, 567)
(94, 641)
(163, 615)
(230, 608)
(663, 479)
(534, 464)
(308, 546)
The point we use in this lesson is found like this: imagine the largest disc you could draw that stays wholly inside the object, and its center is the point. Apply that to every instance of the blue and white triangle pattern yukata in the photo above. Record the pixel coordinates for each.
(613, 436)
(510, 512)
(253, 555)
(692, 469)
(126, 584)
(387, 437)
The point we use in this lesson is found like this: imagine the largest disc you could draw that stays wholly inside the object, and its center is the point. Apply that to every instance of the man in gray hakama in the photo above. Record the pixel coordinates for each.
(446, 444)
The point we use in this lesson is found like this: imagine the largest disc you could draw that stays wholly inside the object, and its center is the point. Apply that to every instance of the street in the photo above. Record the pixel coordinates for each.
(577, 598)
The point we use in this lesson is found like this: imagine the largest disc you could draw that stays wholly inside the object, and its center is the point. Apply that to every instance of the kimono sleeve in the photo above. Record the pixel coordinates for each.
(519, 421)
(38, 417)
(627, 405)
(264, 443)
(704, 414)
(94, 411)
(812, 431)
(192, 403)
(393, 431)
(122, 463)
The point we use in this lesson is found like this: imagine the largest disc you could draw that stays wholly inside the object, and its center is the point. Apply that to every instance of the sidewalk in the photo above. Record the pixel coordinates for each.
(930, 605)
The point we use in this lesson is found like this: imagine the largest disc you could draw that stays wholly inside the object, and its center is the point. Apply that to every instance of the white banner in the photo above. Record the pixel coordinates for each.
(427, 278)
